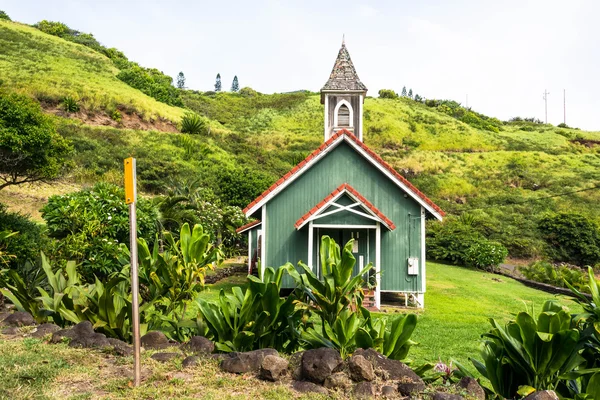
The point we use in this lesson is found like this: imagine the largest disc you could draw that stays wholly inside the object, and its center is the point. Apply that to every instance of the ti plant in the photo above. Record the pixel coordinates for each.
(337, 300)
(173, 278)
(527, 355)
(585, 383)
(255, 319)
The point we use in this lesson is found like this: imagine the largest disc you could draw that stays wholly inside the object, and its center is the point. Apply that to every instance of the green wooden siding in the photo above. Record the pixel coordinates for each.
(344, 165)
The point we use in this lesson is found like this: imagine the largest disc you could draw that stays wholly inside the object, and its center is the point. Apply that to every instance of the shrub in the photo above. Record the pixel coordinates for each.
(92, 226)
(571, 237)
(527, 355)
(388, 94)
(116, 115)
(485, 254)
(30, 148)
(4, 16)
(557, 275)
(248, 92)
(28, 239)
(70, 104)
(193, 123)
(152, 82)
(239, 186)
(53, 28)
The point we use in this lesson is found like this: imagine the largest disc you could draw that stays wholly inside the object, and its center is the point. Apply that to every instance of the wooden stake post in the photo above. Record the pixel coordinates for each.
(130, 199)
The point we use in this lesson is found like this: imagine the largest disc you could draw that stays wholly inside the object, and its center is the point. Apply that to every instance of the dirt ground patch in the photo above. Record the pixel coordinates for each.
(129, 120)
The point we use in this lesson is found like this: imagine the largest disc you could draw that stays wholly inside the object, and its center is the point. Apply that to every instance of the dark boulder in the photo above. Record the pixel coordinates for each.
(120, 347)
(155, 340)
(318, 364)
(190, 361)
(250, 361)
(389, 391)
(389, 369)
(338, 380)
(45, 329)
(164, 357)
(542, 395)
(198, 344)
(273, 368)
(472, 387)
(88, 341)
(446, 396)
(19, 318)
(364, 390)
(308, 387)
(360, 368)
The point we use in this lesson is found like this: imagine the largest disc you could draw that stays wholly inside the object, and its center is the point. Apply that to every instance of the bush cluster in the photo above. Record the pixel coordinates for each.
(572, 238)
(466, 115)
(28, 241)
(458, 243)
(555, 275)
(92, 225)
(388, 94)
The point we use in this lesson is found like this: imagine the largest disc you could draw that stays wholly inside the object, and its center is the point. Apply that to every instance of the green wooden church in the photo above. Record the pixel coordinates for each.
(344, 190)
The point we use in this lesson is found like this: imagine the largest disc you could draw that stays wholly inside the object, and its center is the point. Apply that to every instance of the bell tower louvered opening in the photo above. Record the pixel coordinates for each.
(343, 116)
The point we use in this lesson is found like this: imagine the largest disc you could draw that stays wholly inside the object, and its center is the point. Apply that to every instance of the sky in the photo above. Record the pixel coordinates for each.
(497, 57)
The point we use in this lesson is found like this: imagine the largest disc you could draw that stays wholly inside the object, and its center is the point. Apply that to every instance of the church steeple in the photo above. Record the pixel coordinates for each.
(343, 95)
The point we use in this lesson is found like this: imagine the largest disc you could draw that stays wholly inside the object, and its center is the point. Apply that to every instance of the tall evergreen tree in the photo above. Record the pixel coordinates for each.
(235, 86)
(218, 83)
(181, 80)
(403, 91)
(410, 93)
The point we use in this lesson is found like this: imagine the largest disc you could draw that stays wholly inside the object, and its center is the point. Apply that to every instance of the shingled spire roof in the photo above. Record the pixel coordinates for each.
(343, 76)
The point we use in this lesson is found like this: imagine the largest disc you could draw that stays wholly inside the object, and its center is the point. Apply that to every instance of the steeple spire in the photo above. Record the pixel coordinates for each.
(344, 76)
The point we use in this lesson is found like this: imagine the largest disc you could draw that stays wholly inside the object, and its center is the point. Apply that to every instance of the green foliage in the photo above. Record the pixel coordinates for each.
(172, 278)
(485, 254)
(194, 124)
(466, 115)
(528, 352)
(5, 256)
(239, 186)
(388, 94)
(410, 94)
(27, 241)
(571, 237)
(30, 148)
(403, 91)
(556, 275)
(70, 104)
(53, 28)
(92, 226)
(235, 86)
(255, 319)
(587, 380)
(151, 82)
(4, 16)
(195, 204)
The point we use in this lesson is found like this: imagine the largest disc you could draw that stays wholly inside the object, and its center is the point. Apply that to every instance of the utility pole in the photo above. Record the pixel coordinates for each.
(467, 102)
(565, 106)
(546, 103)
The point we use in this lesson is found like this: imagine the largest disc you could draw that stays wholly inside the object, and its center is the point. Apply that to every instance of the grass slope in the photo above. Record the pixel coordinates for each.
(49, 68)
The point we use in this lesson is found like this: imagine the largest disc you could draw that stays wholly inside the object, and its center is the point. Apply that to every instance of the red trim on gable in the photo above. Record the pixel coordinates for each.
(340, 189)
(363, 146)
(247, 226)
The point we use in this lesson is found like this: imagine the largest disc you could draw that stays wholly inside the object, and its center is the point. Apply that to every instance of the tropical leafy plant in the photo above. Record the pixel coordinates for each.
(256, 318)
(557, 275)
(70, 104)
(5, 257)
(193, 123)
(527, 354)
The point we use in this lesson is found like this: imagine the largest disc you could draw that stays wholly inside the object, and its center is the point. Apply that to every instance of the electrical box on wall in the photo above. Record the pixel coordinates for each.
(413, 266)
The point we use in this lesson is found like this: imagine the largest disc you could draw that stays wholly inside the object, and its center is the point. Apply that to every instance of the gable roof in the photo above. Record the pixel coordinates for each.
(343, 75)
(336, 194)
(248, 226)
(339, 137)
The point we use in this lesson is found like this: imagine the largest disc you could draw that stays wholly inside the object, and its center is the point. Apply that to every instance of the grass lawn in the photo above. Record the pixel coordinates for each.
(458, 304)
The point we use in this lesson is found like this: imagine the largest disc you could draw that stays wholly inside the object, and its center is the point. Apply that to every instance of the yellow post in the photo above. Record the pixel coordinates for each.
(131, 198)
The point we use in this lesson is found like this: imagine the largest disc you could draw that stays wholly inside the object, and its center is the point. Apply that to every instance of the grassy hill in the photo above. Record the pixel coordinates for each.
(505, 175)
(49, 68)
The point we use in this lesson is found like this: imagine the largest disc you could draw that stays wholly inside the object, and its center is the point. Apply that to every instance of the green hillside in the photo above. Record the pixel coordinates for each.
(49, 68)
(505, 175)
